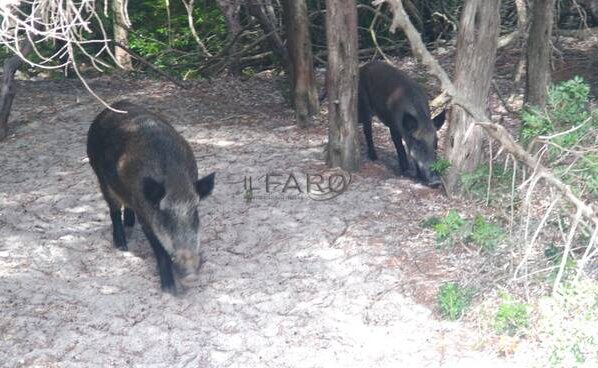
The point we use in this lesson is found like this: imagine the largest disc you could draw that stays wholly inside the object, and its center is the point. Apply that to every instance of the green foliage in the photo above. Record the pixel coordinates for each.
(453, 300)
(485, 234)
(567, 117)
(452, 229)
(511, 318)
(175, 50)
(475, 183)
(566, 108)
(448, 226)
(440, 166)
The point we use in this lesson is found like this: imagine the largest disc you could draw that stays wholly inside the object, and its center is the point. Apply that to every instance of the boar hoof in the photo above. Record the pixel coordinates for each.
(121, 247)
(119, 240)
(170, 289)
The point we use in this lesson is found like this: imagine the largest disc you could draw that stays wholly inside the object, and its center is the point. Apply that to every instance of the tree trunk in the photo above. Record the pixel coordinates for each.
(121, 35)
(342, 79)
(476, 54)
(303, 80)
(256, 9)
(231, 10)
(522, 29)
(7, 93)
(538, 52)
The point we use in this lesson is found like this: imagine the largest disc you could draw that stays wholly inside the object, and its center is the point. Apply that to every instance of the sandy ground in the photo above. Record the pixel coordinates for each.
(286, 283)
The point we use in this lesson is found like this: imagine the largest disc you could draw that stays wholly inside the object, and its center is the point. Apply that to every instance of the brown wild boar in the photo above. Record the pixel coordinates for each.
(144, 166)
(403, 107)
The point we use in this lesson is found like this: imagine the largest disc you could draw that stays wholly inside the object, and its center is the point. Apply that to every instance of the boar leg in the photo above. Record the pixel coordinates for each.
(164, 261)
(365, 118)
(397, 139)
(118, 231)
(129, 217)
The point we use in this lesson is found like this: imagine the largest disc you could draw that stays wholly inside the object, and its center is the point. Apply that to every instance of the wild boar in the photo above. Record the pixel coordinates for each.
(144, 166)
(402, 105)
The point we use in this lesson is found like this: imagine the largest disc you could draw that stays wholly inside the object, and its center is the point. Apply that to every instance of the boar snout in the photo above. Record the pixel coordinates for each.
(186, 263)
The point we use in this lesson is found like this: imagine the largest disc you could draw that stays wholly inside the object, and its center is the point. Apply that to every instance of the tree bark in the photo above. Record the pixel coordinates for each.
(342, 82)
(522, 23)
(268, 26)
(303, 80)
(231, 10)
(476, 54)
(538, 53)
(121, 35)
(7, 93)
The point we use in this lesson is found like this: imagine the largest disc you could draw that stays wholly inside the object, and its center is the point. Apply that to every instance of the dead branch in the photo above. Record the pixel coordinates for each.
(257, 10)
(582, 34)
(189, 8)
(68, 23)
(150, 65)
(508, 39)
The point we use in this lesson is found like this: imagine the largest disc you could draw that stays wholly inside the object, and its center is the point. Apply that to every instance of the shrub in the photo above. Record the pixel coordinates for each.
(452, 229)
(511, 318)
(485, 234)
(448, 226)
(453, 300)
(569, 119)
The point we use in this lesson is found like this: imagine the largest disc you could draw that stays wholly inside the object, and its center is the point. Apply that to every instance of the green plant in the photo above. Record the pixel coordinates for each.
(566, 107)
(453, 300)
(511, 318)
(448, 226)
(570, 123)
(475, 183)
(440, 166)
(169, 44)
(453, 228)
(485, 234)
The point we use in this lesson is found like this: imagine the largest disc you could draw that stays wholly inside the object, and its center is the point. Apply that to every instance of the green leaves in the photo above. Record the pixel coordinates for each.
(568, 127)
(511, 318)
(453, 300)
(440, 166)
(452, 229)
(485, 234)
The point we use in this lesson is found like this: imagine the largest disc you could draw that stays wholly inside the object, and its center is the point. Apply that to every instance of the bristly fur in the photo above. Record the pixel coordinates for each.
(402, 105)
(145, 166)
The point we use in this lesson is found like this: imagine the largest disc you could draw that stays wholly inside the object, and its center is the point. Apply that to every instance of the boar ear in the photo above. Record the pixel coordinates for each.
(439, 119)
(153, 191)
(205, 185)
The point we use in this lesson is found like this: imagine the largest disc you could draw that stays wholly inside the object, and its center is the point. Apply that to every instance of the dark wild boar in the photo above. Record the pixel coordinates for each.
(403, 107)
(144, 166)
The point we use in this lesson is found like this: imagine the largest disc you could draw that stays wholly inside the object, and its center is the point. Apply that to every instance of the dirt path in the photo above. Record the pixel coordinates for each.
(287, 283)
